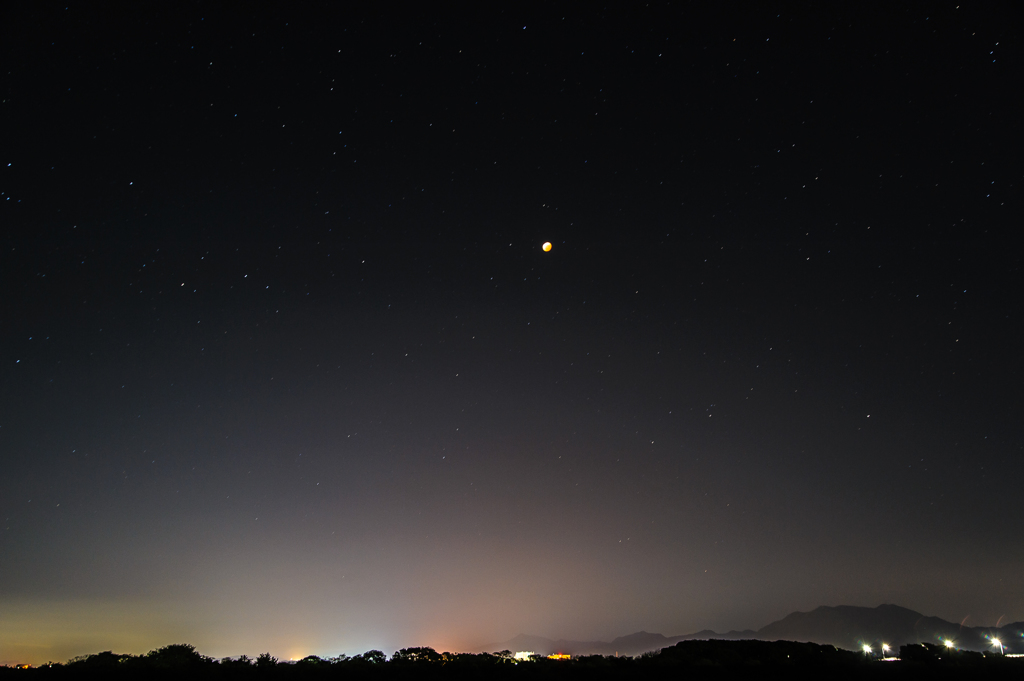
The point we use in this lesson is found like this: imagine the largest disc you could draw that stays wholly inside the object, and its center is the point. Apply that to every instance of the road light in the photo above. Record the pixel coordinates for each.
(997, 642)
(867, 649)
(885, 649)
(950, 645)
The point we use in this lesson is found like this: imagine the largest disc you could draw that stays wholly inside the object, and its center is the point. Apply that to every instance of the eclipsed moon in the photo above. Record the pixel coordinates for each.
(546, 247)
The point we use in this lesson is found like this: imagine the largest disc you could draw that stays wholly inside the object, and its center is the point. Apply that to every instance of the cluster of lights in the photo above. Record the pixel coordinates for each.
(950, 645)
(885, 649)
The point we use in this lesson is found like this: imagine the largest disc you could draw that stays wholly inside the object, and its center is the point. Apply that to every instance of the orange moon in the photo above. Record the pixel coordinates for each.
(546, 247)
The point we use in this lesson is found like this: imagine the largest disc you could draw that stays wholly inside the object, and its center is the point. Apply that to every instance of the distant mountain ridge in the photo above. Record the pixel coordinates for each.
(843, 626)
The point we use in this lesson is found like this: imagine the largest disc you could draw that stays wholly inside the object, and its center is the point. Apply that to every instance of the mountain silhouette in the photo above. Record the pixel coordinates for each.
(630, 645)
(850, 627)
(844, 626)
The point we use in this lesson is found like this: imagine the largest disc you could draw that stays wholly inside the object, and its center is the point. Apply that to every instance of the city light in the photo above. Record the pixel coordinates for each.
(867, 649)
(950, 644)
(997, 642)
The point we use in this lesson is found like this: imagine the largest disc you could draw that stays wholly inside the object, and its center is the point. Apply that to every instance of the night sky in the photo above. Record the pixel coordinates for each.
(283, 365)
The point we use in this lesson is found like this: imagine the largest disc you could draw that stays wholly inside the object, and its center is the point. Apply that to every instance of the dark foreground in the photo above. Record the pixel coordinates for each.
(686, 660)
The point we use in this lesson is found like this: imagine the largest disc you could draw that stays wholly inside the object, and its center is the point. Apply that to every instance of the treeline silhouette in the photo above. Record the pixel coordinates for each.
(697, 659)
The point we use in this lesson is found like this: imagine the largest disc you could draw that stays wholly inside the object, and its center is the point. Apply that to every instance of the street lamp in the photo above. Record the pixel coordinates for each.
(997, 642)
(950, 645)
(867, 649)
(885, 649)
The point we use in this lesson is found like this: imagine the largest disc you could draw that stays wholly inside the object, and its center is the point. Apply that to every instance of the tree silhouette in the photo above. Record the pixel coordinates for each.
(106, 660)
(416, 655)
(371, 656)
(265, 660)
(242, 661)
(177, 656)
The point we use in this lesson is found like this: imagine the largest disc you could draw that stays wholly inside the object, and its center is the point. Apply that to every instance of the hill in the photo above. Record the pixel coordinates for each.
(850, 627)
(844, 626)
